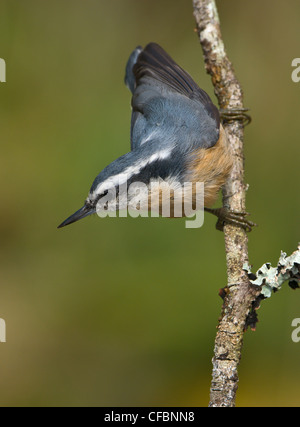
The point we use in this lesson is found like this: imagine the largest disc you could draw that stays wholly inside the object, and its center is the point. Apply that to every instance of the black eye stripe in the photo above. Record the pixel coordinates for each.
(100, 196)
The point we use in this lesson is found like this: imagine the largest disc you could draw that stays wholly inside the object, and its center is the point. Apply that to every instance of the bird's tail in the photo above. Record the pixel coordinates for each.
(129, 76)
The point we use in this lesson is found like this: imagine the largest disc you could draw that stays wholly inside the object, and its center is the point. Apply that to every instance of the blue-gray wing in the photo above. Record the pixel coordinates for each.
(167, 104)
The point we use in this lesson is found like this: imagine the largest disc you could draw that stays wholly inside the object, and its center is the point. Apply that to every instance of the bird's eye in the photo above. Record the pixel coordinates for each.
(88, 203)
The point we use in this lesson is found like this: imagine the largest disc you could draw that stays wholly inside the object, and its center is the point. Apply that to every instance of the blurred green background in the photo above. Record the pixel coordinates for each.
(123, 312)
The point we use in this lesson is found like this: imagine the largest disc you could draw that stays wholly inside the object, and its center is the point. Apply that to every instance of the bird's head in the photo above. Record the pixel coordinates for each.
(99, 202)
(109, 193)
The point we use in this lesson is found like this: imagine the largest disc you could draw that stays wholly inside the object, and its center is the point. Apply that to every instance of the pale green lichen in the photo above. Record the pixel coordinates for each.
(271, 278)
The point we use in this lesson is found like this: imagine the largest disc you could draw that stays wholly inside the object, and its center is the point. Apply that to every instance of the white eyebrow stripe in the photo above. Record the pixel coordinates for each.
(130, 171)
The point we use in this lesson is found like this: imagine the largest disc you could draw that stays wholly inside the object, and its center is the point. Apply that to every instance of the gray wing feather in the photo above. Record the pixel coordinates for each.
(129, 75)
(167, 104)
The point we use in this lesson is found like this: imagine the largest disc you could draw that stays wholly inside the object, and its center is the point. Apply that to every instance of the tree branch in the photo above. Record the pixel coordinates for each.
(240, 292)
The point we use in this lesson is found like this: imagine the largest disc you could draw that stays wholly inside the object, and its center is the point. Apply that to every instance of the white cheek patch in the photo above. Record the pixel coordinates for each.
(129, 172)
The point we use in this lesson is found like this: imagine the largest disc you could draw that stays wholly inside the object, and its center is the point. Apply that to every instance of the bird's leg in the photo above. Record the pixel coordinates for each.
(229, 115)
(226, 216)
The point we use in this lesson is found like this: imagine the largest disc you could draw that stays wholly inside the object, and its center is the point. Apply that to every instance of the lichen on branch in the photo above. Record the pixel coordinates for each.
(272, 278)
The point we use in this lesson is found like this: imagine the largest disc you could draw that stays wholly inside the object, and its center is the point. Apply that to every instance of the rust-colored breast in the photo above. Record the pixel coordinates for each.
(211, 166)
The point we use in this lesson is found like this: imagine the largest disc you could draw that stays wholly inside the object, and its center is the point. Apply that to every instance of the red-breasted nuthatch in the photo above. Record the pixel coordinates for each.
(176, 137)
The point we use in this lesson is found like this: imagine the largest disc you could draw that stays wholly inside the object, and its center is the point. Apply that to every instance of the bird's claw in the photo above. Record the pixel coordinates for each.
(226, 216)
(236, 218)
(240, 114)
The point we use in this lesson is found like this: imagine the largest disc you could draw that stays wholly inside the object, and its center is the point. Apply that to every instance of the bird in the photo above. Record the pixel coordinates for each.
(176, 137)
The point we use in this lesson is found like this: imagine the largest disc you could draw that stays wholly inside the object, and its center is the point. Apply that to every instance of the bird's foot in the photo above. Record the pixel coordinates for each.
(240, 114)
(226, 216)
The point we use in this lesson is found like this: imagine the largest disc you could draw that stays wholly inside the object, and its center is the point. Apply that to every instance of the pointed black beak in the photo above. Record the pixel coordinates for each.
(82, 213)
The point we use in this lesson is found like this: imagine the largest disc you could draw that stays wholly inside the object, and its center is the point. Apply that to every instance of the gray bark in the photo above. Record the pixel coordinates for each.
(240, 292)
